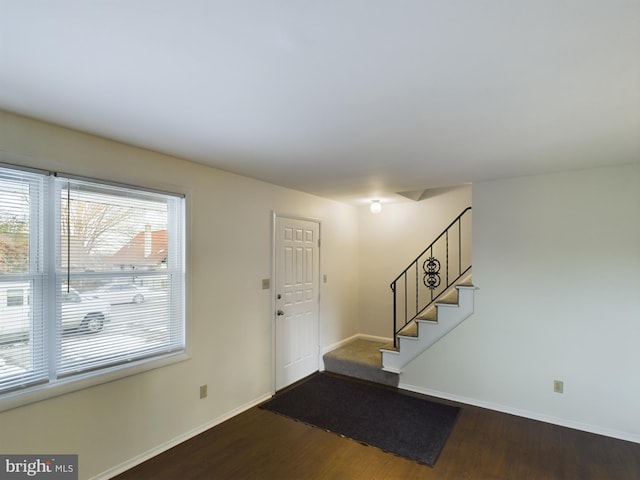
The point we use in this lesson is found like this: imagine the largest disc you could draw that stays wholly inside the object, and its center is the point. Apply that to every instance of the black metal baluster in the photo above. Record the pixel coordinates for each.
(393, 287)
(446, 258)
(459, 247)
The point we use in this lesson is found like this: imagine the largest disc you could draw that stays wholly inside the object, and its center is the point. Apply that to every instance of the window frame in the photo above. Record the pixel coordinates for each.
(43, 273)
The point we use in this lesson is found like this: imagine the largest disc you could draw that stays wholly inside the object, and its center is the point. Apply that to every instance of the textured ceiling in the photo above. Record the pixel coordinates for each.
(345, 99)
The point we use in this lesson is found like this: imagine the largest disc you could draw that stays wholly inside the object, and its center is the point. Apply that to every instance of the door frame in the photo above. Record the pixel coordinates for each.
(272, 291)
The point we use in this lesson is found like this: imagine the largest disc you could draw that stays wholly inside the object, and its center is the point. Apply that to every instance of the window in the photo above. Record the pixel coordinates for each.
(92, 276)
(15, 297)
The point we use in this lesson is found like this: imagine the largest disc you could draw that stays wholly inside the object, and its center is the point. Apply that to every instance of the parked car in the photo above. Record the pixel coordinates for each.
(15, 312)
(116, 293)
(83, 314)
(78, 313)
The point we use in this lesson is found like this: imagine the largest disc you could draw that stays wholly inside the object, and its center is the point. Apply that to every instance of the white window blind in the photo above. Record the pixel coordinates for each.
(91, 278)
(21, 279)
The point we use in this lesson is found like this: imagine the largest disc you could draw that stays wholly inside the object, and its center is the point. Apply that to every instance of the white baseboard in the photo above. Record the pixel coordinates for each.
(598, 430)
(630, 437)
(338, 344)
(137, 460)
(357, 336)
(373, 338)
(412, 388)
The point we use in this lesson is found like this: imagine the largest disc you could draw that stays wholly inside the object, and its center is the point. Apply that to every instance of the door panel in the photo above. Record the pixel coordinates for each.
(297, 303)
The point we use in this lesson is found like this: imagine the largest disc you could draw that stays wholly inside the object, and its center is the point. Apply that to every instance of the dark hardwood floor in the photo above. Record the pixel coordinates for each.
(262, 445)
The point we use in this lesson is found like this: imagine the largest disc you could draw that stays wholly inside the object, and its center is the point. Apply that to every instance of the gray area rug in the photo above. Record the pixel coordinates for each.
(405, 425)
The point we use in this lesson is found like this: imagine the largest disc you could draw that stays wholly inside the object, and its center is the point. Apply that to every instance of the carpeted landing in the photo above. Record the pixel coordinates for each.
(361, 359)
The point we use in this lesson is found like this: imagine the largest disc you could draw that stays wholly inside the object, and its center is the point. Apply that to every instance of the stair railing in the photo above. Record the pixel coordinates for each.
(439, 266)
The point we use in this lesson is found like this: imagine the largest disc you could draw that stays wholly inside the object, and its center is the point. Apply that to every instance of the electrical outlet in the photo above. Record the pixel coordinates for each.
(558, 386)
(203, 391)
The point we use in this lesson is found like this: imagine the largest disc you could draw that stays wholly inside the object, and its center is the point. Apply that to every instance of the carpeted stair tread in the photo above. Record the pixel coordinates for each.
(466, 280)
(450, 297)
(430, 314)
(410, 330)
(390, 347)
(360, 359)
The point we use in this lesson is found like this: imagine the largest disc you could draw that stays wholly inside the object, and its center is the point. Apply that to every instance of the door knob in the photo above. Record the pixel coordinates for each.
(280, 312)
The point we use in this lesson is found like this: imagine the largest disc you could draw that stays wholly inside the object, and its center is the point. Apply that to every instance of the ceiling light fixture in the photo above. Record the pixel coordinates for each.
(376, 206)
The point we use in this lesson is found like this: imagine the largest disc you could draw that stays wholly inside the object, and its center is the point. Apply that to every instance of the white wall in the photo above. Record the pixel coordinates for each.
(556, 258)
(390, 241)
(229, 249)
(557, 263)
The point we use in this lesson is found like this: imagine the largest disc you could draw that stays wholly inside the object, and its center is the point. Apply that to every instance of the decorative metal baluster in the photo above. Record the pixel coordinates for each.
(431, 267)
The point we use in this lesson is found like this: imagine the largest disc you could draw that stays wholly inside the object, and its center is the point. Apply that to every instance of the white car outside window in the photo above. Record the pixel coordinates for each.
(79, 313)
(116, 293)
(83, 314)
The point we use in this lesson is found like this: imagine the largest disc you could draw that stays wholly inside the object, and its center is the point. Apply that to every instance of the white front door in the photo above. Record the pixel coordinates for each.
(297, 281)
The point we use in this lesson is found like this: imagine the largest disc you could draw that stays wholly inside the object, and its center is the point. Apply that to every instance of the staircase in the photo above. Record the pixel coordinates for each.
(431, 297)
(454, 306)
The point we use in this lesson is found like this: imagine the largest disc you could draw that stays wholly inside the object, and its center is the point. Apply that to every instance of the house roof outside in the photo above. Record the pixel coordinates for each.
(146, 248)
